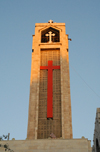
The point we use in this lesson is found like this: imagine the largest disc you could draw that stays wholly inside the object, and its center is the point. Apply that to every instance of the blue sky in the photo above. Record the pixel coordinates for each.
(17, 25)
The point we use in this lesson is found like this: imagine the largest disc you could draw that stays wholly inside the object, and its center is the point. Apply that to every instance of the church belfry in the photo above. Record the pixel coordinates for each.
(49, 103)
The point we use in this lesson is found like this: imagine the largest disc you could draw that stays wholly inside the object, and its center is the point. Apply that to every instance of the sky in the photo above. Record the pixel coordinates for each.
(17, 25)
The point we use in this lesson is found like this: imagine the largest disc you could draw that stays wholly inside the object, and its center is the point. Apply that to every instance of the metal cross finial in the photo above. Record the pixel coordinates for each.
(50, 21)
(50, 35)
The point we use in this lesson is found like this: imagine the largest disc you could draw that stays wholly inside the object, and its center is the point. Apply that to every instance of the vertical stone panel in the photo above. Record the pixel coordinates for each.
(48, 126)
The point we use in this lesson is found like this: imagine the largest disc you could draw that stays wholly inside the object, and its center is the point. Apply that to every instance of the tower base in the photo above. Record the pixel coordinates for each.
(48, 145)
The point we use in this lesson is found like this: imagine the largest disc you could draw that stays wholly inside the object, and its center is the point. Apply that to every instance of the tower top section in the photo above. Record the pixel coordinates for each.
(50, 33)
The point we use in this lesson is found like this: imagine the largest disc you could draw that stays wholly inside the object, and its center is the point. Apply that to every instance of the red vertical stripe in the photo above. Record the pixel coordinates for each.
(50, 91)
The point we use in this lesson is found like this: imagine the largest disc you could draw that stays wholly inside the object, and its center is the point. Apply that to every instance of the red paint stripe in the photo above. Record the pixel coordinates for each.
(43, 67)
(50, 91)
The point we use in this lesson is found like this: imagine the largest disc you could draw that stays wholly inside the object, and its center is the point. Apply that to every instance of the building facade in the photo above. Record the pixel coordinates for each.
(49, 103)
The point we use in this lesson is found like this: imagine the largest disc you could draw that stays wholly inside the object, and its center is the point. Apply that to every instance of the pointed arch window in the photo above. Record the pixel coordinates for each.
(50, 35)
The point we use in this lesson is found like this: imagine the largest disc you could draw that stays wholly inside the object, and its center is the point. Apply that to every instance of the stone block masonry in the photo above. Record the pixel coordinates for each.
(48, 145)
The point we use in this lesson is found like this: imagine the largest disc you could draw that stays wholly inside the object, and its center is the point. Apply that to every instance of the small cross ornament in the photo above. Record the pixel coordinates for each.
(50, 21)
(50, 35)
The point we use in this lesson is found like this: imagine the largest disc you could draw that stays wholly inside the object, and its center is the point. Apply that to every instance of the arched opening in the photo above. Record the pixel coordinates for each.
(50, 35)
(97, 146)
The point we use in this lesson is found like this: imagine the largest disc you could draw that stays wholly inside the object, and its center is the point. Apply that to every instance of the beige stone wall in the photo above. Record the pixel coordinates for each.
(48, 145)
(65, 81)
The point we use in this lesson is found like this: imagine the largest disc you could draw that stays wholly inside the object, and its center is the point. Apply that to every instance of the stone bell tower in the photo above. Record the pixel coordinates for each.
(49, 103)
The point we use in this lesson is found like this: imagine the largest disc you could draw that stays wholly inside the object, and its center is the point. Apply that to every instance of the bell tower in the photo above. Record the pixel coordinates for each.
(49, 103)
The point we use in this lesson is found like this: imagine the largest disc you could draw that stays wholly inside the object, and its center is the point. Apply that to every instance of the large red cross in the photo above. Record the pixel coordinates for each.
(50, 68)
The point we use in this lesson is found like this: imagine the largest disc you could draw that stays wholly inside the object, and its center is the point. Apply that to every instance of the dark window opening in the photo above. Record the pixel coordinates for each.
(97, 146)
(46, 37)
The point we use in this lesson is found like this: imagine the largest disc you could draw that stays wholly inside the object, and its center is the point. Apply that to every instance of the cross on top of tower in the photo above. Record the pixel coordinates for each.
(50, 21)
(50, 35)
